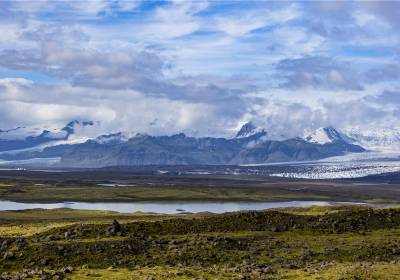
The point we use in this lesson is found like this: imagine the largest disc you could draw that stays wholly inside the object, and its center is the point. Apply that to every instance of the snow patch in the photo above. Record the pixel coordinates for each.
(324, 135)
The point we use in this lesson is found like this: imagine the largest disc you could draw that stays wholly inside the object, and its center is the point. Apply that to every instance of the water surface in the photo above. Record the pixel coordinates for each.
(161, 207)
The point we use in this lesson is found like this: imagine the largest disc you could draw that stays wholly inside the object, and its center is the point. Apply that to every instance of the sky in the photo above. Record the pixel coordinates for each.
(200, 67)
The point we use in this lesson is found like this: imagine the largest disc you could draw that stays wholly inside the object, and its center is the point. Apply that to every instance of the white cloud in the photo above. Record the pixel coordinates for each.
(175, 20)
(197, 66)
(125, 110)
(238, 25)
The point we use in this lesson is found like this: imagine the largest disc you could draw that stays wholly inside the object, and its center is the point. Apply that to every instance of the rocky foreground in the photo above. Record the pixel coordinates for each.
(335, 243)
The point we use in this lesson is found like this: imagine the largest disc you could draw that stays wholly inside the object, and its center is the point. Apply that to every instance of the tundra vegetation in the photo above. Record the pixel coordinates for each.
(337, 242)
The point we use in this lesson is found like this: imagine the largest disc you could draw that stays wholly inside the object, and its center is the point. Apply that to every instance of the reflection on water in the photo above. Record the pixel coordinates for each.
(162, 207)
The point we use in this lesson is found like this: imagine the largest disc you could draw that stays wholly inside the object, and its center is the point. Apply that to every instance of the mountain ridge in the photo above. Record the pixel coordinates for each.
(250, 146)
(180, 149)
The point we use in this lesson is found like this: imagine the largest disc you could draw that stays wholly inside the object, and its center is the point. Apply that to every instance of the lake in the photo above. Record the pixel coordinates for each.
(164, 207)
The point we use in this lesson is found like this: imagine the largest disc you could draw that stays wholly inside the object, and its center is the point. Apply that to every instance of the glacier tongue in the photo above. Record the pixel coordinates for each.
(342, 170)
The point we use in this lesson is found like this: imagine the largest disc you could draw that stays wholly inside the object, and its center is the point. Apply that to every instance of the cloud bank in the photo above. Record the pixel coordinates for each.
(203, 68)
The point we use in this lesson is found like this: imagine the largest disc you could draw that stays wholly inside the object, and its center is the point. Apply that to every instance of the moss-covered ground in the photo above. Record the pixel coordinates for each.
(299, 243)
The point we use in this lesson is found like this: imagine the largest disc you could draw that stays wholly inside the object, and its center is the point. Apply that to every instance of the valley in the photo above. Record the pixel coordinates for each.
(355, 240)
(189, 183)
(199, 140)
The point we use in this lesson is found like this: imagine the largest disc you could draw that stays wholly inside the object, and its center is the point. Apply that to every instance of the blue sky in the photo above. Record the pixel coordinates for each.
(201, 67)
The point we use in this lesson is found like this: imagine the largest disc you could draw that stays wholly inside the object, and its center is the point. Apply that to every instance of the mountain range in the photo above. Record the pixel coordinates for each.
(251, 145)
(21, 138)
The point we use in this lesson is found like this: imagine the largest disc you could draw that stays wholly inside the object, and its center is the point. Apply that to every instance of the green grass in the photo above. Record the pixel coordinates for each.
(77, 187)
(28, 193)
(334, 271)
(33, 221)
(68, 215)
(318, 210)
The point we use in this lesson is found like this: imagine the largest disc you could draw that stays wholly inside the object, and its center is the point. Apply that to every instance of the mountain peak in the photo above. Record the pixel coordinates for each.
(324, 135)
(249, 129)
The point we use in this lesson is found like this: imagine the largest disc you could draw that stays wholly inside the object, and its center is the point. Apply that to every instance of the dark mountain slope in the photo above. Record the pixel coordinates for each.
(180, 149)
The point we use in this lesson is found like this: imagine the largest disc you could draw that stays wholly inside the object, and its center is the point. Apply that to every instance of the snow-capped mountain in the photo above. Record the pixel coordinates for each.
(325, 135)
(249, 129)
(251, 146)
(22, 132)
(23, 138)
(377, 139)
(78, 144)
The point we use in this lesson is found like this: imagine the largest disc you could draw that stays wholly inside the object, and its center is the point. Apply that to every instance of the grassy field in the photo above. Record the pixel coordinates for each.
(29, 222)
(146, 193)
(56, 193)
(300, 243)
